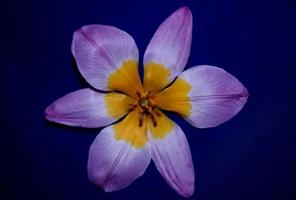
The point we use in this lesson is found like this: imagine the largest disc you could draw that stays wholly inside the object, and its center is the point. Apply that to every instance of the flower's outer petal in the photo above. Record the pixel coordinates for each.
(87, 108)
(215, 97)
(172, 158)
(114, 164)
(107, 57)
(168, 50)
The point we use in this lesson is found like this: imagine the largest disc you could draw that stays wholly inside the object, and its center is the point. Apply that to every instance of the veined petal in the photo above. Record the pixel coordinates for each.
(86, 108)
(168, 50)
(215, 95)
(114, 164)
(172, 158)
(107, 57)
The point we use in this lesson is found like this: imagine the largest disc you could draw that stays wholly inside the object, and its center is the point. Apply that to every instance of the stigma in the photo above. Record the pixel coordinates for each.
(146, 107)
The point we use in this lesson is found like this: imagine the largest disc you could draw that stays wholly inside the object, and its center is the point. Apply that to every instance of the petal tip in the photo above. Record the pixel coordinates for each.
(184, 12)
(243, 97)
(110, 187)
(96, 179)
(188, 193)
(186, 190)
(93, 176)
(246, 91)
(49, 112)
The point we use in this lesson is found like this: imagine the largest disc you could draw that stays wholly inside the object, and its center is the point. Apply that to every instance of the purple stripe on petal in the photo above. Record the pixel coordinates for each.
(114, 164)
(85, 108)
(99, 50)
(216, 96)
(172, 158)
(222, 96)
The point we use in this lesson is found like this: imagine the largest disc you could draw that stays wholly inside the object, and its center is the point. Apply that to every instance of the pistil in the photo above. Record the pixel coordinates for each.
(146, 107)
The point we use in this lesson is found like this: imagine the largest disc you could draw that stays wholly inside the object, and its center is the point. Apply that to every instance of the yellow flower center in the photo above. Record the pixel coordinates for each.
(142, 103)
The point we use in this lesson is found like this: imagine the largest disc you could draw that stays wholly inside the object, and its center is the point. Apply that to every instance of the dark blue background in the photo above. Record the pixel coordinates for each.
(248, 158)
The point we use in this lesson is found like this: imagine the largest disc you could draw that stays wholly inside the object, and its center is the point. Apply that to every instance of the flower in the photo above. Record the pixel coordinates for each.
(107, 58)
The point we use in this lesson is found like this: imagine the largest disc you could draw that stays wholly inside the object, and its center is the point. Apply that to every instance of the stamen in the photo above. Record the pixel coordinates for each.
(140, 119)
(146, 107)
(153, 120)
(133, 106)
(157, 113)
(138, 94)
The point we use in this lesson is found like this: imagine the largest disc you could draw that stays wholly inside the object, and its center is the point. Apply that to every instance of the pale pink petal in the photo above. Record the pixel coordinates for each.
(114, 164)
(85, 108)
(216, 96)
(99, 50)
(172, 158)
(171, 43)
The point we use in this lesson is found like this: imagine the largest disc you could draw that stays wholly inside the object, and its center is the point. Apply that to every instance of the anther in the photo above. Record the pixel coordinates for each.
(153, 120)
(140, 119)
(138, 94)
(133, 106)
(157, 113)
(154, 123)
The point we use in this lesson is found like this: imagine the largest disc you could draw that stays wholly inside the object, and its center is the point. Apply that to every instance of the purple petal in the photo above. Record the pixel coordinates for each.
(85, 108)
(172, 158)
(99, 50)
(170, 45)
(114, 164)
(216, 96)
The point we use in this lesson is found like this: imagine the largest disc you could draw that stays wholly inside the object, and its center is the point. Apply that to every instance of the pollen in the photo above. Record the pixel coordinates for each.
(146, 107)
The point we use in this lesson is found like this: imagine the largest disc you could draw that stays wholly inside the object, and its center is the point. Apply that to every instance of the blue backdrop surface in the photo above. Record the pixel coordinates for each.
(251, 157)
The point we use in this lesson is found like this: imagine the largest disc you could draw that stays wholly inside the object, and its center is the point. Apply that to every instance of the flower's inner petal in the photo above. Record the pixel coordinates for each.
(156, 77)
(169, 48)
(117, 104)
(129, 130)
(126, 79)
(175, 98)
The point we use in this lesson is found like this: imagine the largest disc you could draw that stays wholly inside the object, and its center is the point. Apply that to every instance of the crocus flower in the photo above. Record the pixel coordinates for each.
(107, 58)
